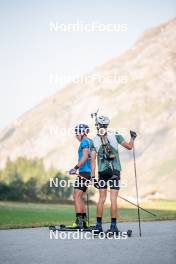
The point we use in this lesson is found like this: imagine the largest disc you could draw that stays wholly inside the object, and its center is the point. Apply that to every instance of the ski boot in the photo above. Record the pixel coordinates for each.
(78, 224)
(113, 230)
(85, 222)
(97, 228)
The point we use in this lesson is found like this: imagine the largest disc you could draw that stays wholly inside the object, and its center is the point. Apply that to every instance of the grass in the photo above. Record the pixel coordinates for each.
(16, 215)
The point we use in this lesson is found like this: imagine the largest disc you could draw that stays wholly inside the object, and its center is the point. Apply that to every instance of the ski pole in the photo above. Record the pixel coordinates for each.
(136, 205)
(145, 210)
(136, 184)
(88, 208)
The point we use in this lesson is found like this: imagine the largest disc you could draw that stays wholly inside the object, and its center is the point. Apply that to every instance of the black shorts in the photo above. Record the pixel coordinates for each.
(82, 184)
(106, 179)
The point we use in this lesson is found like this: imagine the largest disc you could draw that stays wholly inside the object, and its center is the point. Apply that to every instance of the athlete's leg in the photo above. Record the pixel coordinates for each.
(101, 201)
(100, 206)
(78, 201)
(80, 208)
(113, 198)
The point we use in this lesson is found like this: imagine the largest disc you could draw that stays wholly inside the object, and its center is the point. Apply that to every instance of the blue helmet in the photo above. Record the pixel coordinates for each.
(82, 129)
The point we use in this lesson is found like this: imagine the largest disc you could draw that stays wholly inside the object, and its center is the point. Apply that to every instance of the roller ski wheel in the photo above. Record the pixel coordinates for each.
(52, 228)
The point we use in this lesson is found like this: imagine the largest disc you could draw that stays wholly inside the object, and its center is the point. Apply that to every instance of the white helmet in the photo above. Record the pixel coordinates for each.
(103, 121)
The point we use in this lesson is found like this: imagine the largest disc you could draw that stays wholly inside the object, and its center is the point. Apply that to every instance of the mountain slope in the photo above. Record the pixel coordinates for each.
(145, 102)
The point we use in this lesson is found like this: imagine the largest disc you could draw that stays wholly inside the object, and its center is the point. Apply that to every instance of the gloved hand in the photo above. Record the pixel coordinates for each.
(72, 171)
(95, 183)
(133, 134)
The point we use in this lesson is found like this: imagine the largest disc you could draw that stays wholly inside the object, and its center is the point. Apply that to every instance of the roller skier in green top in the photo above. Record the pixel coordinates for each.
(105, 150)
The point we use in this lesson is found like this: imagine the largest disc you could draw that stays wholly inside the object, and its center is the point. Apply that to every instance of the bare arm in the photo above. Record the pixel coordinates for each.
(128, 145)
(93, 162)
(85, 154)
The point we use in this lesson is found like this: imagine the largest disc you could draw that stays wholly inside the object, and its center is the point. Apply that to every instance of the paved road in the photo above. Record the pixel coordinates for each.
(34, 246)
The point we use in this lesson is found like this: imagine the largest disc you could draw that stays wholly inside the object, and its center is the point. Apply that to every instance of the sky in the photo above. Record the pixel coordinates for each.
(31, 54)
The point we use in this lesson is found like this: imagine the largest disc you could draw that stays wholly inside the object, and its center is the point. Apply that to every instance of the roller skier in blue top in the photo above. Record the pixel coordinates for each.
(84, 169)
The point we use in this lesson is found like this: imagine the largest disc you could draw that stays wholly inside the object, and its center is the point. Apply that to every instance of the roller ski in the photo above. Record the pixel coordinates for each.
(64, 228)
(79, 224)
(114, 231)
